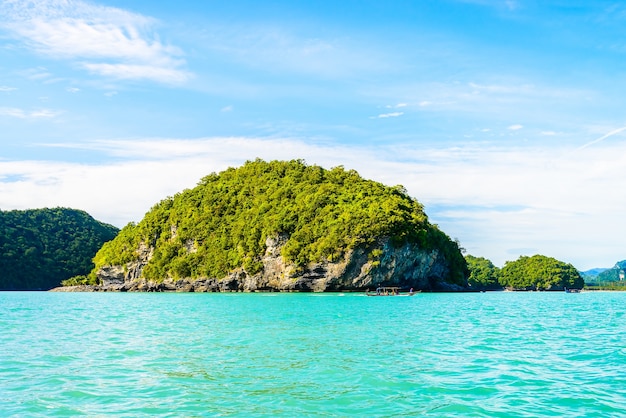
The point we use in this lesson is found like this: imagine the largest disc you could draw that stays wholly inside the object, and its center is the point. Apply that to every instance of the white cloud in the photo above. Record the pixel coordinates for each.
(228, 108)
(389, 115)
(396, 106)
(603, 137)
(38, 73)
(44, 113)
(495, 200)
(495, 101)
(516, 127)
(13, 112)
(502, 88)
(108, 41)
(73, 89)
(6, 88)
(129, 72)
(23, 114)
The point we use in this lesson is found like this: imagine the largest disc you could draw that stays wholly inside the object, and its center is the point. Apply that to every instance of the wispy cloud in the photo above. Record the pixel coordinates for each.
(503, 100)
(24, 114)
(515, 127)
(501, 88)
(389, 115)
(494, 199)
(275, 49)
(603, 137)
(37, 73)
(138, 71)
(397, 106)
(105, 40)
(6, 88)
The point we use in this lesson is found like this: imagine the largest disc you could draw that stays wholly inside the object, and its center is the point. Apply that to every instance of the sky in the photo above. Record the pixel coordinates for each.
(505, 119)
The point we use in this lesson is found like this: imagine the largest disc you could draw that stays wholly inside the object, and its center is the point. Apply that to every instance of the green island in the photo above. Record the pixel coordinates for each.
(266, 226)
(282, 225)
(41, 247)
(613, 278)
(526, 273)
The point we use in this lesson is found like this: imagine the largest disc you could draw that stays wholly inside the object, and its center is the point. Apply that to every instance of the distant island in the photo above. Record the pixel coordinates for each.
(39, 248)
(526, 273)
(265, 226)
(613, 278)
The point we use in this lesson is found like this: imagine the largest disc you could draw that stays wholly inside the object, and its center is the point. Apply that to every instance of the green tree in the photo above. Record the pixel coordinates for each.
(540, 273)
(40, 248)
(483, 275)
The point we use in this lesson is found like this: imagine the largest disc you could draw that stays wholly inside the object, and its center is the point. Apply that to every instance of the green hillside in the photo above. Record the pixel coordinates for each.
(39, 248)
(222, 224)
(614, 274)
(483, 274)
(540, 273)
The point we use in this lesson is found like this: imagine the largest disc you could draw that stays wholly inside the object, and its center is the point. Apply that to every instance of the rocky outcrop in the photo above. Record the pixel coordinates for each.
(362, 268)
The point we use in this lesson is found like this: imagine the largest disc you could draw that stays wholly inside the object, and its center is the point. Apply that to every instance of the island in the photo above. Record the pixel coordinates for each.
(281, 226)
(40, 248)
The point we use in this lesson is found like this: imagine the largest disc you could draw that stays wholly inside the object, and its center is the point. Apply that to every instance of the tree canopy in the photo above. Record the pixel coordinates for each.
(483, 274)
(540, 273)
(41, 247)
(222, 224)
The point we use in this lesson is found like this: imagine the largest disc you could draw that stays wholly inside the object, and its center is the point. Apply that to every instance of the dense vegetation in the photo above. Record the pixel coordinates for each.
(39, 248)
(539, 273)
(613, 274)
(607, 279)
(223, 223)
(483, 274)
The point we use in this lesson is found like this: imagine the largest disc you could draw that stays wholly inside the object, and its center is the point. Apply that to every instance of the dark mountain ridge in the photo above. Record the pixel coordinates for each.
(39, 248)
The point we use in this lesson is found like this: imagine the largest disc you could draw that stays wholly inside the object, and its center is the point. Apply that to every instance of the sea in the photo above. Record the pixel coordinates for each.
(493, 354)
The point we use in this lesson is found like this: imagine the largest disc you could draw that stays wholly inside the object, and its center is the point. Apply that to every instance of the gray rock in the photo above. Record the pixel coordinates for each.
(405, 266)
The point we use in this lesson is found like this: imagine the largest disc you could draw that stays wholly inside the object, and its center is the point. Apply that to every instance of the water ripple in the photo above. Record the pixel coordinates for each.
(434, 355)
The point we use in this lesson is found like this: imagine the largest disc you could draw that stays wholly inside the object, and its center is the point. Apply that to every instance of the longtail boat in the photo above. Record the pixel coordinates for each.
(389, 291)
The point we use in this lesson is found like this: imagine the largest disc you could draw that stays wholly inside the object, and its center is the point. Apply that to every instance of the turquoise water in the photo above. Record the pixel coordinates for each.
(437, 355)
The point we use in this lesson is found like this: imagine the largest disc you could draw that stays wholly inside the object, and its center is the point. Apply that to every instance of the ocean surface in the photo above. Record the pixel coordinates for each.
(500, 354)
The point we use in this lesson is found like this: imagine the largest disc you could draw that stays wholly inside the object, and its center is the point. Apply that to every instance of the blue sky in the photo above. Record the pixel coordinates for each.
(506, 119)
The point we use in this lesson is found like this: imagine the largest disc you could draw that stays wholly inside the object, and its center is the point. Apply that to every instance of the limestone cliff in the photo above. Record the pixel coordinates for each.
(405, 266)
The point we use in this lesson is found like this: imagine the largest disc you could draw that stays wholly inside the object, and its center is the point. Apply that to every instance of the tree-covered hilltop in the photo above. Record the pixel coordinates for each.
(41, 247)
(540, 273)
(527, 273)
(224, 223)
(483, 274)
(614, 274)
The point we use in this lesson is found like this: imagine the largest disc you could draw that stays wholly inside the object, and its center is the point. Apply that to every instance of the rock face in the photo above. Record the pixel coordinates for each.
(405, 266)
